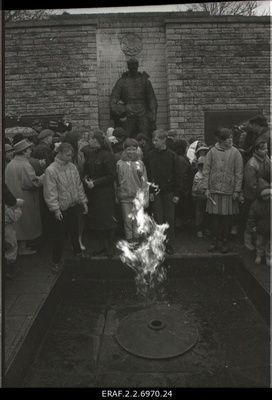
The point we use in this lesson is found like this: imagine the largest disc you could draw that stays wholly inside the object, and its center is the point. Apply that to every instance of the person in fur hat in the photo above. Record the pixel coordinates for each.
(259, 219)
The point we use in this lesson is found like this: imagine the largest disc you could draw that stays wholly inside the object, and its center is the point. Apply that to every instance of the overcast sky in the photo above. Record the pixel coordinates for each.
(265, 7)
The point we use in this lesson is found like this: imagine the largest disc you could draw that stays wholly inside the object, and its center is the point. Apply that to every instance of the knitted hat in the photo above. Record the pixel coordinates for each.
(141, 136)
(180, 146)
(119, 133)
(259, 120)
(45, 133)
(202, 146)
(172, 133)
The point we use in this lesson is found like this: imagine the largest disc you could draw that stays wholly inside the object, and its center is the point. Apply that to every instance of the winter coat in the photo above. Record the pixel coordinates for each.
(43, 152)
(187, 175)
(101, 168)
(263, 135)
(198, 189)
(163, 169)
(131, 176)
(79, 161)
(223, 170)
(259, 213)
(255, 168)
(62, 186)
(11, 216)
(35, 164)
(24, 184)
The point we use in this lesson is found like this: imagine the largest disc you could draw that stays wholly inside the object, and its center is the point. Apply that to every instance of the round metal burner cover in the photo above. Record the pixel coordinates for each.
(159, 332)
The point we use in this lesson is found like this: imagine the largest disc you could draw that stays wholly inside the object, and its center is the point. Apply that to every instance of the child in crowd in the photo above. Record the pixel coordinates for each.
(198, 193)
(163, 169)
(144, 143)
(201, 150)
(13, 213)
(258, 166)
(131, 177)
(259, 222)
(184, 209)
(222, 180)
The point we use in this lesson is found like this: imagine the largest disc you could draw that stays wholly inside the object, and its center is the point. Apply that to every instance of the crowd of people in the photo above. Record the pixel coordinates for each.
(59, 185)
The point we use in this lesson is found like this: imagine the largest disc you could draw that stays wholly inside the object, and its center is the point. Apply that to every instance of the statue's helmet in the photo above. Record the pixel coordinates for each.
(132, 61)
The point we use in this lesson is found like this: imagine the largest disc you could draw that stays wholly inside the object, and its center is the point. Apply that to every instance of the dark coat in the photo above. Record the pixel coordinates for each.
(43, 152)
(259, 212)
(35, 163)
(163, 169)
(100, 167)
(187, 175)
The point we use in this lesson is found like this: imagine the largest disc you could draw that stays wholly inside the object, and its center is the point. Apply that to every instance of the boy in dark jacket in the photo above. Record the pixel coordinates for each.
(259, 222)
(163, 170)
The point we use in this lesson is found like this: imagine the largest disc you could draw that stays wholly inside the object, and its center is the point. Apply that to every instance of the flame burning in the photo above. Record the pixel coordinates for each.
(145, 258)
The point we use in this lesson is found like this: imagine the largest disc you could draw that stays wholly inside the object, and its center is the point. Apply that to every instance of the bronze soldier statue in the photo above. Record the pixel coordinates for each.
(133, 104)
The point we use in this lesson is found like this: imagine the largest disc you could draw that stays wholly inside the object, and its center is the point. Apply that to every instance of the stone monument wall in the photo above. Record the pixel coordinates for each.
(197, 64)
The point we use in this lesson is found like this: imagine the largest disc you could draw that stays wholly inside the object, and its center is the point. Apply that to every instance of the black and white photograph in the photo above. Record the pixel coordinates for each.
(136, 208)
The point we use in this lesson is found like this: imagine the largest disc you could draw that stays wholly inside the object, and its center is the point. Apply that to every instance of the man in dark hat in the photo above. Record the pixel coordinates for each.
(133, 101)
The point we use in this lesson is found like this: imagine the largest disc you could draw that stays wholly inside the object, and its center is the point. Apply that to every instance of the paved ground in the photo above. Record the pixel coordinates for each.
(33, 281)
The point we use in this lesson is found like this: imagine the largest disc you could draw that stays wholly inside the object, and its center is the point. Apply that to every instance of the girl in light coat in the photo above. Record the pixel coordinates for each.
(131, 177)
(222, 181)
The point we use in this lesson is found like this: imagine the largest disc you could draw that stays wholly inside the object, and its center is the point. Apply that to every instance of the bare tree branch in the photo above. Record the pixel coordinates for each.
(23, 15)
(247, 8)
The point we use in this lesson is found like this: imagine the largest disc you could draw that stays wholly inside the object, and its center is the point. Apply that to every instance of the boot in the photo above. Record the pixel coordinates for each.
(23, 250)
(234, 230)
(110, 248)
(213, 246)
(224, 247)
(248, 242)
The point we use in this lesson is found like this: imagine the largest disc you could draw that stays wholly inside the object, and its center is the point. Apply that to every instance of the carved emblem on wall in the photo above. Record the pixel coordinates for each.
(131, 44)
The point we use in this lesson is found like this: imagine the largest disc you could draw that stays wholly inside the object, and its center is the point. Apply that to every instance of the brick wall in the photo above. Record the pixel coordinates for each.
(216, 64)
(196, 63)
(51, 68)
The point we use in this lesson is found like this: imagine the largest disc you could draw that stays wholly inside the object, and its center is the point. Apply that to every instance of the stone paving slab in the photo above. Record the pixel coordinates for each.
(33, 281)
